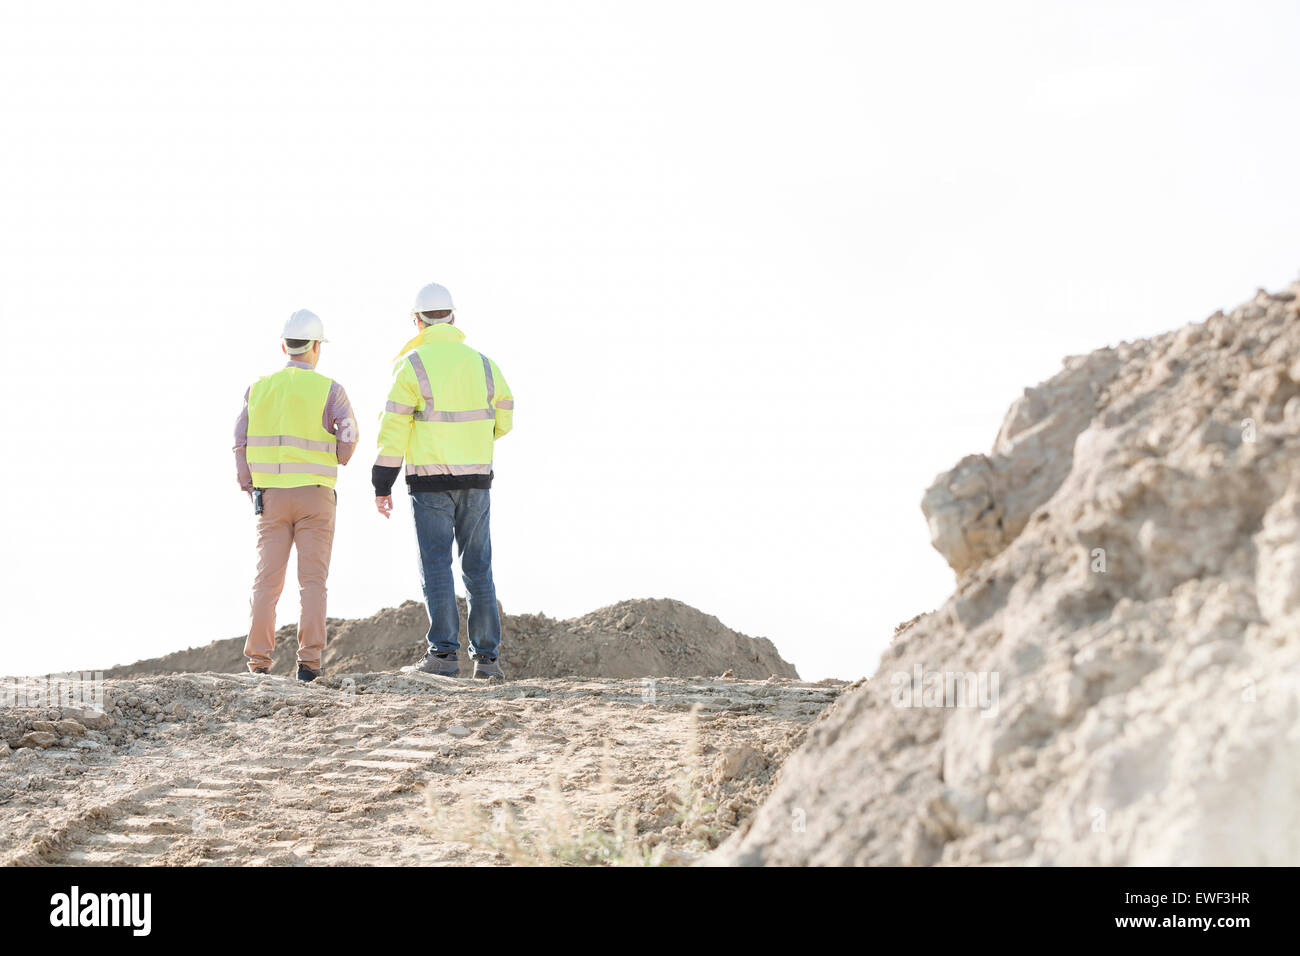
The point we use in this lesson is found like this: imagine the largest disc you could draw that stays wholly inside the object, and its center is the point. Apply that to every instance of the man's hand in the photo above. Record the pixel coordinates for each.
(384, 504)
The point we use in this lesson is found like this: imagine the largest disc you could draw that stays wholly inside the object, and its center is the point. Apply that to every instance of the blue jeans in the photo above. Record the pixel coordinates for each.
(462, 516)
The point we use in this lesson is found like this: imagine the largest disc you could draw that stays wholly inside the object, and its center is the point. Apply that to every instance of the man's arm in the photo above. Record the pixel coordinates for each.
(340, 422)
(242, 474)
(504, 403)
(395, 430)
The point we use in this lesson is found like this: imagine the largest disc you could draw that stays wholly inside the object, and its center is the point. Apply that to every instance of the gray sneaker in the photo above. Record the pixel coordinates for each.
(444, 665)
(487, 668)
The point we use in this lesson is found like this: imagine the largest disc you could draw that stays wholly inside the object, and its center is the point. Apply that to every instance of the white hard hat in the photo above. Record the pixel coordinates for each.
(304, 324)
(432, 298)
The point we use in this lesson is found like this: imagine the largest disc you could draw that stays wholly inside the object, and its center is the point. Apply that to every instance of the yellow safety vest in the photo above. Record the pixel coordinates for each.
(447, 407)
(288, 446)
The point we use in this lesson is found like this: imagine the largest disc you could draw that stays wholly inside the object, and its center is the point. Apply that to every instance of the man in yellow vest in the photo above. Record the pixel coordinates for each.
(296, 428)
(447, 407)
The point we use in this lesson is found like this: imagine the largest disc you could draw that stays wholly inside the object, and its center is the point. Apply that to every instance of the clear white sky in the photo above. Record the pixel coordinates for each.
(756, 273)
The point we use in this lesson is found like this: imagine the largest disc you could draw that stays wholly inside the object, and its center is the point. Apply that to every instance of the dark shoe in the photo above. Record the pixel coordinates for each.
(306, 674)
(487, 668)
(444, 665)
(259, 671)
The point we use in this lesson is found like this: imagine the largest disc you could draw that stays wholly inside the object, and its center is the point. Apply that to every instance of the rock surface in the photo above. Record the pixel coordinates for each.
(1116, 679)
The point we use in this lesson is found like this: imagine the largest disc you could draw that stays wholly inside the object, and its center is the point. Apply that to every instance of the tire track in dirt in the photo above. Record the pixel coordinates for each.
(386, 768)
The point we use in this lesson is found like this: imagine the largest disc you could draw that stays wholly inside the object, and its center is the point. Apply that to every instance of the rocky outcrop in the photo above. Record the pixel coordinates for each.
(979, 507)
(1116, 679)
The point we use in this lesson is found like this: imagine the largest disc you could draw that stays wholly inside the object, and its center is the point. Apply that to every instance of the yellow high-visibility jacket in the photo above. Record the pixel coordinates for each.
(288, 446)
(447, 407)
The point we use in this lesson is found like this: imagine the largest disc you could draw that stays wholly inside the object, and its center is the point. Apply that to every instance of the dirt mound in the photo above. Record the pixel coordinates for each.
(640, 638)
(1116, 679)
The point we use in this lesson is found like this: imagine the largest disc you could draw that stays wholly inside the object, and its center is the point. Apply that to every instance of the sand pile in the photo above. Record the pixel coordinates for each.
(1116, 679)
(638, 638)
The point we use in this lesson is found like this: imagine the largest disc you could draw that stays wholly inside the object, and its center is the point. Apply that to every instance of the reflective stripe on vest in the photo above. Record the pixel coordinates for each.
(265, 441)
(426, 470)
(292, 468)
(491, 384)
(474, 415)
(421, 376)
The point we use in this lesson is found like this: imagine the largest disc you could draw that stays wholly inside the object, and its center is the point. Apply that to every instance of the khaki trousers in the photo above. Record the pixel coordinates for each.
(301, 517)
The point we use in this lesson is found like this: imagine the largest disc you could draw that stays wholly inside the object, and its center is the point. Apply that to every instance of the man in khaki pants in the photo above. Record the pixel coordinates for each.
(296, 428)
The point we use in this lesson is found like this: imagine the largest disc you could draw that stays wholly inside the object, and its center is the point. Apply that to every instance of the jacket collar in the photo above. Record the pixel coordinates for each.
(442, 332)
(292, 364)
